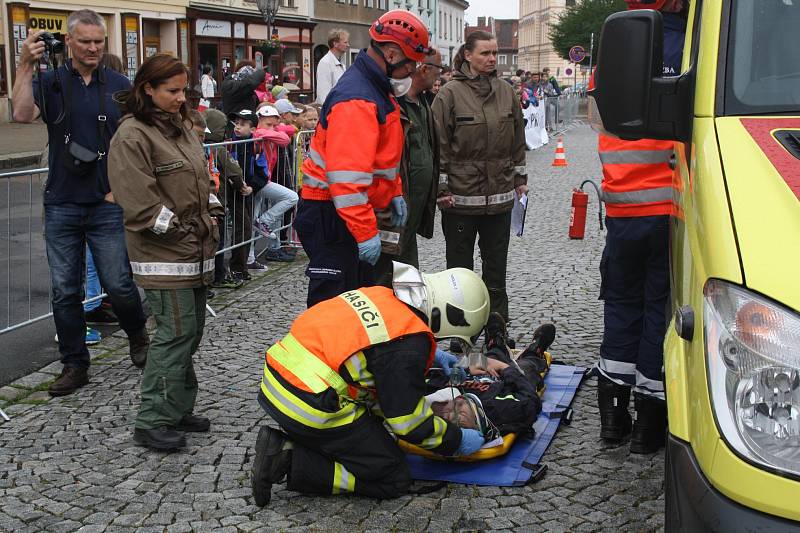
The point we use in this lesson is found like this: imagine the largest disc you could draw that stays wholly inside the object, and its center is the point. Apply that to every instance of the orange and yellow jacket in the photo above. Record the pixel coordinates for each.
(355, 152)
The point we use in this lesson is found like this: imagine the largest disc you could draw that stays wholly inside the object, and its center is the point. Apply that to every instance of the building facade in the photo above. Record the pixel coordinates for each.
(448, 31)
(536, 52)
(354, 16)
(135, 30)
(505, 31)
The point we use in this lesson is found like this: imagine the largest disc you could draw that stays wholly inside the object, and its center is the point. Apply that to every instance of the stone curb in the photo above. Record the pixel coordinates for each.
(20, 160)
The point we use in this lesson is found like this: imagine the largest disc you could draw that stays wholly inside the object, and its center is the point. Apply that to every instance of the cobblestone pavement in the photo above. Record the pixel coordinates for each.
(69, 463)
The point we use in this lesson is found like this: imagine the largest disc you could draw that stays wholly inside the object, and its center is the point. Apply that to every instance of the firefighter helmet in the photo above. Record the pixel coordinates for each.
(404, 29)
(645, 4)
(455, 301)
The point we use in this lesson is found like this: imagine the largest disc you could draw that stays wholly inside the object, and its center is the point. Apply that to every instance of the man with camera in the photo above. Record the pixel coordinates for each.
(75, 101)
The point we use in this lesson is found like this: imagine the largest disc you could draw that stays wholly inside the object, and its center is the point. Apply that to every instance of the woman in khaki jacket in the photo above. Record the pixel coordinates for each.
(159, 176)
(482, 162)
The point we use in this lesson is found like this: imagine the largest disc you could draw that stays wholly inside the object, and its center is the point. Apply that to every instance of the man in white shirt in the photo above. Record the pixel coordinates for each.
(330, 67)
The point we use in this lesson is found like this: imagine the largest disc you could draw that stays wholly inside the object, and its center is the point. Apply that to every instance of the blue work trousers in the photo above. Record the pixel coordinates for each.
(68, 229)
(635, 289)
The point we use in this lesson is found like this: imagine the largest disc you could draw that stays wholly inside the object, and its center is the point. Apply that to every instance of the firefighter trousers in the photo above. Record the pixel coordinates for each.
(360, 458)
(634, 286)
(493, 233)
(333, 263)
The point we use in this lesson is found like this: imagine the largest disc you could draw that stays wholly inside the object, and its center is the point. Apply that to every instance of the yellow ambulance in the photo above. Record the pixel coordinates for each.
(732, 353)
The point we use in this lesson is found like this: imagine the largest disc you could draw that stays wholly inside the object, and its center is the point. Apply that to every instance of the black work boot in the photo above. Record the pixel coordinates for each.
(161, 439)
(612, 399)
(496, 332)
(192, 423)
(70, 380)
(532, 359)
(271, 463)
(139, 343)
(650, 427)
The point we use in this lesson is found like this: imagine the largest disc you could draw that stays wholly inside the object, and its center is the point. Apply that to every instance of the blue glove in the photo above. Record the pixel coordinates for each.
(445, 360)
(370, 250)
(471, 442)
(399, 211)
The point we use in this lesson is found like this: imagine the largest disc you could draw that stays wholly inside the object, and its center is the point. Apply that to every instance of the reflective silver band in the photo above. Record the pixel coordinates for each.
(349, 176)
(171, 269)
(314, 182)
(162, 222)
(468, 200)
(391, 237)
(442, 178)
(646, 196)
(635, 157)
(521, 169)
(501, 198)
(316, 158)
(349, 200)
(386, 173)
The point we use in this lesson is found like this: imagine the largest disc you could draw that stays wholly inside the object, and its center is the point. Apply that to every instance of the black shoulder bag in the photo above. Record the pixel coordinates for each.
(78, 159)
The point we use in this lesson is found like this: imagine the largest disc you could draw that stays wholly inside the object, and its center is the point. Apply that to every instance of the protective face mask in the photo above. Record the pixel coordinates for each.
(400, 87)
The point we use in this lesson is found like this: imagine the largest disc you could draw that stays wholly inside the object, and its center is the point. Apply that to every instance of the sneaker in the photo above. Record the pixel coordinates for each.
(139, 345)
(228, 282)
(70, 380)
(278, 255)
(273, 459)
(100, 317)
(264, 230)
(255, 265)
(161, 439)
(92, 336)
(241, 277)
(193, 424)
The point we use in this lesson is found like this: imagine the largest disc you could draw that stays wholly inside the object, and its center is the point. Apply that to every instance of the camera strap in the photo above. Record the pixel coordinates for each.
(102, 118)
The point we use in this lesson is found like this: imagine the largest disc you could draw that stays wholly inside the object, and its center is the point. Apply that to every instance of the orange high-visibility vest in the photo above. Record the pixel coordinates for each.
(637, 177)
(335, 329)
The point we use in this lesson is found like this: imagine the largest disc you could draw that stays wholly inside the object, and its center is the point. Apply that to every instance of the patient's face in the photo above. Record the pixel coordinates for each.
(456, 412)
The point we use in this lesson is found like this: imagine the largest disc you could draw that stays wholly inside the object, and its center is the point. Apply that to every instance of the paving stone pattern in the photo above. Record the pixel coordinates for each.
(70, 464)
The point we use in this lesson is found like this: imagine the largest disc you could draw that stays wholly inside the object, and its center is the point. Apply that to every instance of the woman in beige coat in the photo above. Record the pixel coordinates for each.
(159, 176)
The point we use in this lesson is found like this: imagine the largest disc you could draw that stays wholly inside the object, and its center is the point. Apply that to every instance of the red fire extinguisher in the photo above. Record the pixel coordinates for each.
(577, 217)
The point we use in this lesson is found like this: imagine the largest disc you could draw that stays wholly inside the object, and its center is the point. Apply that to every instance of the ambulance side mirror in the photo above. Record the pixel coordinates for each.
(634, 100)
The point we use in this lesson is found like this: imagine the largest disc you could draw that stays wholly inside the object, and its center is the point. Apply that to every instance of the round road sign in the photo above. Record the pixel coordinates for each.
(577, 54)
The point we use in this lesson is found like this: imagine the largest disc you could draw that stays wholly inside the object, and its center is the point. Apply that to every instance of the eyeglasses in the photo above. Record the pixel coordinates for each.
(440, 67)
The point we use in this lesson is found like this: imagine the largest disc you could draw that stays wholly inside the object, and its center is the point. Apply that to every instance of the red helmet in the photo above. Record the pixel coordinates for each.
(404, 29)
(645, 4)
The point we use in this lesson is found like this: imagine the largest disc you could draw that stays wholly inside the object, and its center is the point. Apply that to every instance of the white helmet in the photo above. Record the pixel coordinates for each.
(455, 301)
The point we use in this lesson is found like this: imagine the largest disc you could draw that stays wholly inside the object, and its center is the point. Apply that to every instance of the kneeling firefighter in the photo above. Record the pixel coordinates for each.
(353, 363)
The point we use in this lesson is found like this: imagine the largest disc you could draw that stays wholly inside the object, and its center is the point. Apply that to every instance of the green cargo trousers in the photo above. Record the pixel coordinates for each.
(169, 384)
(493, 232)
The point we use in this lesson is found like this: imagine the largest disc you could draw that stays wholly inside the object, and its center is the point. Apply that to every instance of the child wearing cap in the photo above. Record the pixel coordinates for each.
(274, 199)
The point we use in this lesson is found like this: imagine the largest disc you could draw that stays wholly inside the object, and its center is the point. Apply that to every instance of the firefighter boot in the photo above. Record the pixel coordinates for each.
(496, 332)
(271, 464)
(650, 426)
(612, 399)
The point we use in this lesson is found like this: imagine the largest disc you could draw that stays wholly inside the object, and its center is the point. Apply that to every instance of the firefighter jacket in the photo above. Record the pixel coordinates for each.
(361, 351)
(356, 148)
(638, 175)
(481, 142)
(159, 176)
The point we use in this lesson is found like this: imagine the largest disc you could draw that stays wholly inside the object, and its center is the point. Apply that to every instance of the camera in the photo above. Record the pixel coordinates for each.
(51, 44)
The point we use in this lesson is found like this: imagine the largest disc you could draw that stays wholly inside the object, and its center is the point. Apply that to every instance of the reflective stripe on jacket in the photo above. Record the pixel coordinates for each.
(326, 345)
(356, 148)
(637, 177)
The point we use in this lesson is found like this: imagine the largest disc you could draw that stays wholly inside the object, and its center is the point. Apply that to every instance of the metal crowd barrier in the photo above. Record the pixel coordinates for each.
(25, 285)
(561, 111)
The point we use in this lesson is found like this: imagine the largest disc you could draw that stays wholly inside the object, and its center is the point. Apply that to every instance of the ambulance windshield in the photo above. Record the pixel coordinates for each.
(763, 58)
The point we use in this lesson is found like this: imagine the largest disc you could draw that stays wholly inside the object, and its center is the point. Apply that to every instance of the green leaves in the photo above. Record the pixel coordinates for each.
(576, 24)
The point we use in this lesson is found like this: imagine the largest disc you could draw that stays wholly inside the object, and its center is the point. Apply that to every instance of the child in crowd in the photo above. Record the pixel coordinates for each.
(255, 174)
(274, 199)
(309, 118)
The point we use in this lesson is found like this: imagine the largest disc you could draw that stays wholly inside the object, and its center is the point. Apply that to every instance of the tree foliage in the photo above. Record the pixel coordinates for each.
(576, 24)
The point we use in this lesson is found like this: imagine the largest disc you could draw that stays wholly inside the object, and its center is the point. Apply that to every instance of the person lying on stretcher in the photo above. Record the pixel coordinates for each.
(507, 391)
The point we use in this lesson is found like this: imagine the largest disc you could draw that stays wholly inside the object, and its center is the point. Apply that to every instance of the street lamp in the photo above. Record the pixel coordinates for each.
(268, 9)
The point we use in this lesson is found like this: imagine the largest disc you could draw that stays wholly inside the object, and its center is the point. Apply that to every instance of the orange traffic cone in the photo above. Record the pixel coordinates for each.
(561, 157)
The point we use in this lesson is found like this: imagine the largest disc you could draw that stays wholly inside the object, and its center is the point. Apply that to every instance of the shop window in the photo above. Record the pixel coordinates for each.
(292, 71)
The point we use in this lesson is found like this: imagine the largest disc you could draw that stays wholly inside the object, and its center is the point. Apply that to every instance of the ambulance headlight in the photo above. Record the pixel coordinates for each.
(753, 351)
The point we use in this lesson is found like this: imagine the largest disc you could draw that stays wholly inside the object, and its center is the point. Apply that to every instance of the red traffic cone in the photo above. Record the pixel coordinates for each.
(561, 157)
